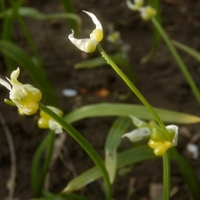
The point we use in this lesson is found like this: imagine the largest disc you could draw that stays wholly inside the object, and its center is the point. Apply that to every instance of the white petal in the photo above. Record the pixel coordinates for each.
(5, 84)
(87, 45)
(94, 19)
(138, 134)
(134, 6)
(138, 122)
(175, 129)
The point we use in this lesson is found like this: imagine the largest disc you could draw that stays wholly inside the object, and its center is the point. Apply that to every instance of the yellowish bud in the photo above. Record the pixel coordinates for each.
(97, 35)
(45, 121)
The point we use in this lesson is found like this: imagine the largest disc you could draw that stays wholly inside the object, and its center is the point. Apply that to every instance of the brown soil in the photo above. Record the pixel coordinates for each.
(160, 81)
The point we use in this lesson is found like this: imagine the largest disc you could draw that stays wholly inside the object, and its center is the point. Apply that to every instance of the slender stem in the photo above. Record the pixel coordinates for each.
(134, 89)
(178, 60)
(166, 176)
(84, 144)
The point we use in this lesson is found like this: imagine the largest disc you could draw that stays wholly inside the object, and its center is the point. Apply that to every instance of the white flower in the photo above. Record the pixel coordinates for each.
(88, 45)
(147, 13)
(136, 5)
(24, 96)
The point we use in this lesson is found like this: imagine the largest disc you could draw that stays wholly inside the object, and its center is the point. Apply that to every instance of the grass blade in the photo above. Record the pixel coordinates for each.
(113, 140)
(128, 157)
(8, 24)
(195, 54)
(35, 14)
(156, 35)
(84, 144)
(68, 6)
(188, 173)
(37, 178)
(124, 110)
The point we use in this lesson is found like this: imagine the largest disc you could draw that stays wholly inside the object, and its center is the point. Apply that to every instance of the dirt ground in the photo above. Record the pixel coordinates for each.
(160, 81)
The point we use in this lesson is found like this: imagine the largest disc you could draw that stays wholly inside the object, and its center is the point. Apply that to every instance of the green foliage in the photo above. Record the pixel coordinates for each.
(125, 110)
(127, 157)
(114, 160)
(37, 176)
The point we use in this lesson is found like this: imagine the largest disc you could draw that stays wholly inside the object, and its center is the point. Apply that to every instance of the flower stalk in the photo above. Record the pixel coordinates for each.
(134, 89)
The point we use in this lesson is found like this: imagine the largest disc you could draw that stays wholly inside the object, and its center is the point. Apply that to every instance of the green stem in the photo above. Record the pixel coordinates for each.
(166, 176)
(134, 89)
(178, 60)
(84, 144)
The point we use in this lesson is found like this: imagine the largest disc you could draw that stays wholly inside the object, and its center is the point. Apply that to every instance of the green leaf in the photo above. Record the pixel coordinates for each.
(7, 28)
(84, 144)
(156, 35)
(69, 8)
(195, 54)
(125, 110)
(35, 14)
(14, 52)
(188, 173)
(118, 58)
(130, 156)
(113, 140)
(38, 175)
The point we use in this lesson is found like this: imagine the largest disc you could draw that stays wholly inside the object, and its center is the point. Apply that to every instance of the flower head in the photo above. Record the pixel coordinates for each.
(159, 143)
(45, 121)
(88, 45)
(136, 5)
(24, 96)
(146, 12)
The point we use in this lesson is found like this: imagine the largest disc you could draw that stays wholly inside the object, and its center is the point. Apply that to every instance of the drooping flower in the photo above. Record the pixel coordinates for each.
(45, 121)
(159, 143)
(24, 96)
(146, 12)
(88, 45)
(136, 5)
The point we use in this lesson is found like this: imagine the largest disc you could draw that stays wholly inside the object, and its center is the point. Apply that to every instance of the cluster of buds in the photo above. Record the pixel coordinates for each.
(146, 12)
(159, 143)
(88, 45)
(151, 130)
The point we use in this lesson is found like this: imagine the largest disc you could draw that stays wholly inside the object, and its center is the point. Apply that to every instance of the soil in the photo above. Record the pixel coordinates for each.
(160, 80)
